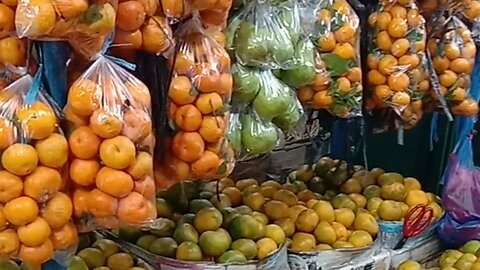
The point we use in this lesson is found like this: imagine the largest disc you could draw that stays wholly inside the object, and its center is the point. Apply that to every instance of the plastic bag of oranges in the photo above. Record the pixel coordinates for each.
(86, 24)
(336, 36)
(36, 212)
(453, 52)
(212, 12)
(396, 56)
(139, 27)
(262, 35)
(198, 107)
(111, 143)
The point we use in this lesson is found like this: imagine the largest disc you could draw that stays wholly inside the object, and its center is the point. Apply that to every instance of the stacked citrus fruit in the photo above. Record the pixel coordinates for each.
(110, 145)
(397, 74)
(139, 27)
(199, 225)
(212, 12)
(12, 49)
(198, 96)
(466, 257)
(35, 216)
(453, 51)
(336, 36)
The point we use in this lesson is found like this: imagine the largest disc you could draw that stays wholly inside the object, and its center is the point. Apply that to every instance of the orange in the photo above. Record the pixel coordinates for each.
(38, 121)
(305, 94)
(58, 210)
(181, 91)
(74, 118)
(398, 81)
(322, 99)
(21, 210)
(400, 47)
(38, 254)
(83, 97)
(397, 28)
(118, 152)
(472, 10)
(183, 63)
(216, 34)
(207, 80)
(188, 118)
(324, 16)
(387, 64)
(424, 86)
(114, 182)
(441, 64)
(209, 103)
(223, 62)
(84, 143)
(468, 107)
(460, 65)
(398, 11)
(212, 129)
(321, 82)
(207, 165)
(372, 19)
(400, 99)
(83, 172)
(13, 51)
(3, 220)
(354, 74)
(38, 24)
(326, 42)
(384, 41)
(20, 159)
(6, 134)
(80, 198)
(146, 187)
(42, 183)
(101, 204)
(343, 85)
(143, 165)
(9, 243)
(52, 151)
(105, 124)
(172, 109)
(458, 94)
(70, 9)
(344, 33)
(345, 51)
(7, 22)
(376, 78)
(382, 92)
(414, 18)
(157, 35)
(128, 39)
(65, 236)
(188, 146)
(468, 50)
(342, 7)
(448, 78)
(137, 124)
(383, 20)
(11, 186)
(139, 92)
(136, 209)
(34, 233)
(372, 61)
(176, 169)
(130, 15)
(410, 61)
(451, 51)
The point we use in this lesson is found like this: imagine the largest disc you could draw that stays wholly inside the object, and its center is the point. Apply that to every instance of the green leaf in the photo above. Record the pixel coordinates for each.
(336, 65)
(414, 36)
(172, 125)
(337, 21)
(222, 169)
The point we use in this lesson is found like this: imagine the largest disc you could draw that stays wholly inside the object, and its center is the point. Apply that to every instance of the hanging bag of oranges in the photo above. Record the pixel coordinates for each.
(111, 143)
(337, 85)
(397, 67)
(453, 52)
(36, 212)
(198, 107)
(86, 24)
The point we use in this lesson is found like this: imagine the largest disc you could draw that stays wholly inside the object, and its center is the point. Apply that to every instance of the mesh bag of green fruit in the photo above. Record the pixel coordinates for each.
(397, 67)
(453, 54)
(263, 35)
(336, 85)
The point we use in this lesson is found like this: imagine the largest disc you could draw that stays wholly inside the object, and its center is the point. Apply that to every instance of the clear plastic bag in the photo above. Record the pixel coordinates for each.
(211, 12)
(396, 60)
(138, 26)
(265, 36)
(198, 107)
(337, 85)
(86, 24)
(111, 142)
(258, 135)
(453, 52)
(36, 210)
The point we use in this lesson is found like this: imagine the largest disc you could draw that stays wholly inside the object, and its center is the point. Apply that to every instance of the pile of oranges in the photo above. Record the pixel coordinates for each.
(35, 211)
(139, 27)
(12, 49)
(111, 165)
(453, 52)
(397, 76)
(339, 89)
(212, 12)
(198, 95)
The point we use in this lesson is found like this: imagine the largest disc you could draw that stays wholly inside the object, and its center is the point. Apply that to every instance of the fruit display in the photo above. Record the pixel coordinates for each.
(197, 224)
(111, 144)
(35, 216)
(397, 75)
(198, 108)
(106, 254)
(139, 26)
(212, 13)
(81, 22)
(453, 52)
(337, 84)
